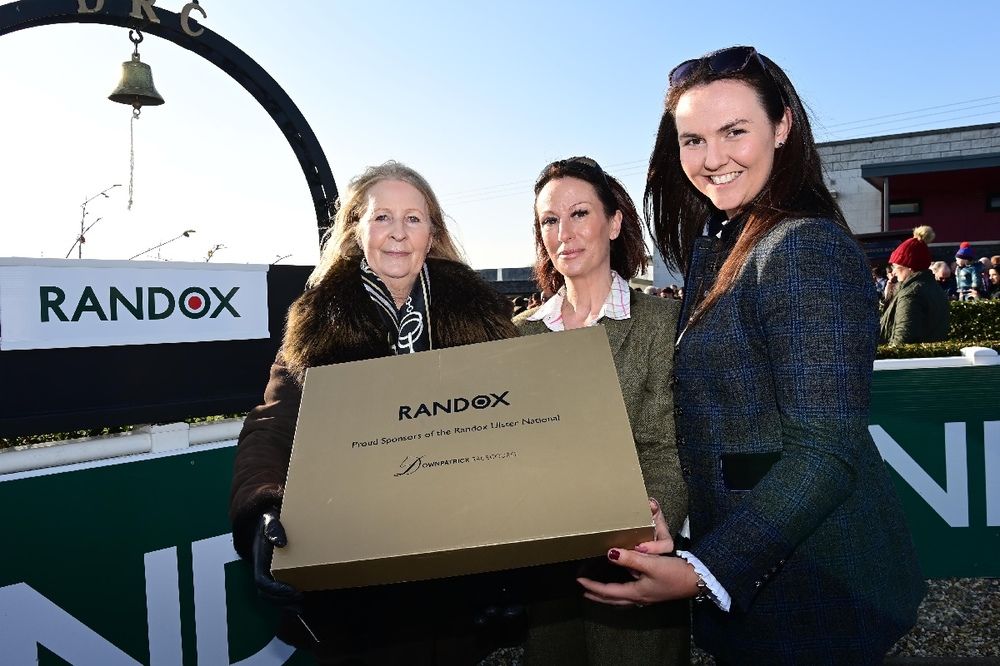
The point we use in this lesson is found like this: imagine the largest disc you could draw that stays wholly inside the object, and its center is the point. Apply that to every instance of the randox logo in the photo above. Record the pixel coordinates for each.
(453, 405)
(150, 303)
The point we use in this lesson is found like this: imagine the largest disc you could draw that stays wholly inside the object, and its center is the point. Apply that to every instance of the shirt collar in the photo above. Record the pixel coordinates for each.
(616, 306)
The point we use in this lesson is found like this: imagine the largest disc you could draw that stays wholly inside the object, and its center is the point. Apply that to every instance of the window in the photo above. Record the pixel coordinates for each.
(904, 208)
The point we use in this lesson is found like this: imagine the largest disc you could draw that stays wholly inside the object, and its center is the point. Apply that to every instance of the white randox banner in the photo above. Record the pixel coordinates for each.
(57, 303)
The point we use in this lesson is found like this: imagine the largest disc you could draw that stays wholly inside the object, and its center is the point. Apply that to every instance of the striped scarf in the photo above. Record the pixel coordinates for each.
(412, 322)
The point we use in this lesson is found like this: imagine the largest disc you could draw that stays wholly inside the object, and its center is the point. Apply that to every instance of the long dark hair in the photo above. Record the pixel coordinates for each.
(628, 250)
(676, 212)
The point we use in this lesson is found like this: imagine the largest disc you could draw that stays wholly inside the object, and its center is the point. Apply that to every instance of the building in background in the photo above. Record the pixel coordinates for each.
(510, 281)
(886, 186)
(947, 178)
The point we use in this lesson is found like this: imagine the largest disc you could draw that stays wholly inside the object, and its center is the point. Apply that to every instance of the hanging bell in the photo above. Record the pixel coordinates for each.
(136, 86)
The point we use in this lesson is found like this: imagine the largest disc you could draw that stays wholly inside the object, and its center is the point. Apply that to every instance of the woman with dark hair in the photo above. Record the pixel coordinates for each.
(588, 244)
(799, 551)
(390, 281)
(993, 275)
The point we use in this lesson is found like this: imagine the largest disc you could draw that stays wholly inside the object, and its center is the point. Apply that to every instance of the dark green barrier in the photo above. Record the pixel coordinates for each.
(939, 430)
(131, 562)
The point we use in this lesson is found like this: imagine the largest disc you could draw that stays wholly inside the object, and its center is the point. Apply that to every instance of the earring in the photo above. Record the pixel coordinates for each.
(779, 144)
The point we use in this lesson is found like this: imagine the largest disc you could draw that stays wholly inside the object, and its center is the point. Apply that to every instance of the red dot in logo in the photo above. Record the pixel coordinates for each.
(194, 303)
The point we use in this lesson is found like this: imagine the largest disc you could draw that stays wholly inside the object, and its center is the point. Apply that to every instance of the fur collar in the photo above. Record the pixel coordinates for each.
(336, 322)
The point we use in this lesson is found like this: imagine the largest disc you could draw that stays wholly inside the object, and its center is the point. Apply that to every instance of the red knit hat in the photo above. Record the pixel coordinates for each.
(913, 252)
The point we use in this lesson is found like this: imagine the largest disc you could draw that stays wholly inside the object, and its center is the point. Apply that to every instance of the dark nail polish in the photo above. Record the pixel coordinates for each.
(613, 554)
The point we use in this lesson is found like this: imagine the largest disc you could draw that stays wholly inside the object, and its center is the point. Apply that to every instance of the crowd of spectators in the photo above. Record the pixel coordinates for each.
(522, 303)
(673, 291)
(915, 291)
(964, 279)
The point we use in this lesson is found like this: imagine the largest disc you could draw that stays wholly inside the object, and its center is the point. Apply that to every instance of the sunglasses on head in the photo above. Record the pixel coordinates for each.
(580, 164)
(725, 61)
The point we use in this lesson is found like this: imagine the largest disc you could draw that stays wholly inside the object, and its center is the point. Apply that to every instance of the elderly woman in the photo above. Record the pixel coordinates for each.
(919, 311)
(390, 281)
(588, 243)
(799, 552)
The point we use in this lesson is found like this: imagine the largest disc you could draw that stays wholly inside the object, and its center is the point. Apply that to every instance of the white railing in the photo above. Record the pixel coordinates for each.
(971, 356)
(145, 439)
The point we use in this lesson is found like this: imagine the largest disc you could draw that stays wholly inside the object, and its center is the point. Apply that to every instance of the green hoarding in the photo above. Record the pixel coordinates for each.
(939, 431)
(129, 563)
(129, 560)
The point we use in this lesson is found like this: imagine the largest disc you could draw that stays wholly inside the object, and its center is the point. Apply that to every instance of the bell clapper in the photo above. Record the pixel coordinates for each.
(131, 152)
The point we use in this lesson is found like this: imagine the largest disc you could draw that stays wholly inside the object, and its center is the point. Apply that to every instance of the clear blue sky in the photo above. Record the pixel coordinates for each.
(477, 96)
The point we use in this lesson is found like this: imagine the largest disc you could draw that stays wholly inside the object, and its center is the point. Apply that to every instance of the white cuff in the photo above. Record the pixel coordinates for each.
(716, 592)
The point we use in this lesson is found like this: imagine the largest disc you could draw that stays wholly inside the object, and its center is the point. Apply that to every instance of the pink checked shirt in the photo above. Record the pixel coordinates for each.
(616, 306)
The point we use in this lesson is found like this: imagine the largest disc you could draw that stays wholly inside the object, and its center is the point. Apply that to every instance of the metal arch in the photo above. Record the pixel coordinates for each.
(217, 50)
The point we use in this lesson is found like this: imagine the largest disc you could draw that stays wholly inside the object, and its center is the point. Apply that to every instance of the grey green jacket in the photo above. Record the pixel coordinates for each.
(579, 632)
(917, 313)
(642, 347)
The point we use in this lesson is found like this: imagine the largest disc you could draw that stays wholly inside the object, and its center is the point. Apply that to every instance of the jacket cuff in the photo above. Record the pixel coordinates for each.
(716, 592)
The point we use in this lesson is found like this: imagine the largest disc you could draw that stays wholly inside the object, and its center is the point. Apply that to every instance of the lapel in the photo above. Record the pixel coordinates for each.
(617, 330)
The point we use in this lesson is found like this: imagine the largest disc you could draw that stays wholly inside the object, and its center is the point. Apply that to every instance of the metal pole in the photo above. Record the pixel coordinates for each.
(157, 247)
(885, 204)
(78, 243)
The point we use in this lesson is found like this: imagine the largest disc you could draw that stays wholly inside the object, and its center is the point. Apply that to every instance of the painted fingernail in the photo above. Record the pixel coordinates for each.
(613, 554)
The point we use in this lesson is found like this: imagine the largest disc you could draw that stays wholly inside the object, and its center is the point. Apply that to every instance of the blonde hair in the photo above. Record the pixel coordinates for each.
(342, 240)
(924, 233)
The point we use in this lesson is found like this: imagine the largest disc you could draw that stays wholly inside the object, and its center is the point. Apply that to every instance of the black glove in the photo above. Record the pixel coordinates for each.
(271, 533)
(501, 608)
(501, 613)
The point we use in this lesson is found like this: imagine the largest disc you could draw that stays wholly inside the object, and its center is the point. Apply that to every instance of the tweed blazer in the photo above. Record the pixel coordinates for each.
(792, 509)
(642, 347)
(576, 631)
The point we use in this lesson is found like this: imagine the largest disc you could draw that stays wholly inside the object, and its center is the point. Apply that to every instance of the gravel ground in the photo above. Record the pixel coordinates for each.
(960, 617)
(958, 623)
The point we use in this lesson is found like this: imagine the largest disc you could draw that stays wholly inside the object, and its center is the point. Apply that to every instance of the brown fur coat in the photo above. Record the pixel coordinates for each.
(336, 322)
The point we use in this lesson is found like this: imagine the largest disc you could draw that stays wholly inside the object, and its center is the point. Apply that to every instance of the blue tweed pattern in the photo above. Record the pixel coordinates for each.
(816, 556)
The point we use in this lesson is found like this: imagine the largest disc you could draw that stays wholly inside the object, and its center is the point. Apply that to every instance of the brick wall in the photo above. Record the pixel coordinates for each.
(859, 199)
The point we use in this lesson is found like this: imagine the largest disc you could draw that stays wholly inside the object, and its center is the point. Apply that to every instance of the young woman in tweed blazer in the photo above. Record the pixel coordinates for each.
(588, 242)
(799, 551)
